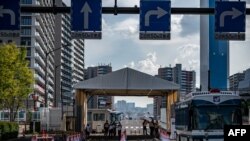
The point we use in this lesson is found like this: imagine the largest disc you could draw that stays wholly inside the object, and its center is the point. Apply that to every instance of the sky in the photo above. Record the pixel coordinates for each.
(120, 45)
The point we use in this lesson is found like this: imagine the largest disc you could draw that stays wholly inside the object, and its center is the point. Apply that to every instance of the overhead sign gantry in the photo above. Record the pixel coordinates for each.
(155, 18)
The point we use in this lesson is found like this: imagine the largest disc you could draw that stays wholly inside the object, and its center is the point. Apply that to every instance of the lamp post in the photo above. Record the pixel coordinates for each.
(46, 71)
(55, 96)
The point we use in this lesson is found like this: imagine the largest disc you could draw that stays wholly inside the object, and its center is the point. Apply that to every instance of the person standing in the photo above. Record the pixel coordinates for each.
(151, 127)
(114, 129)
(156, 126)
(119, 128)
(87, 131)
(110, 129)
(144, 124)
(106, 128)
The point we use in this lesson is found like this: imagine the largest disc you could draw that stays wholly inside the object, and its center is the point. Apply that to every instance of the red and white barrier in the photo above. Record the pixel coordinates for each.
(75, 137)
(33, 138)
(123, 136)
(164, 136)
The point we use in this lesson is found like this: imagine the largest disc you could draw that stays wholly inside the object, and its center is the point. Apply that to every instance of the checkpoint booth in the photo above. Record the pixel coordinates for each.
(123, 82)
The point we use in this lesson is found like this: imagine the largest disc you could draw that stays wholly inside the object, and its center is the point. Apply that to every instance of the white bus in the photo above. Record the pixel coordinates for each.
(202, 115)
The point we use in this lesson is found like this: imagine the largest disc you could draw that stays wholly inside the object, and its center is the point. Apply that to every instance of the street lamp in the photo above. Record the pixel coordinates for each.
(55, 96)
(46, 71)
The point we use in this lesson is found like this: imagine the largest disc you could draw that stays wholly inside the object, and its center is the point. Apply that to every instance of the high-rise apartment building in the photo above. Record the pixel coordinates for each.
(214, 54)
(38, 36)
(47, 36)
(186, 80)
(157, 105)
(69, 60)
(99, 101)
(244, 85)
(234, 81)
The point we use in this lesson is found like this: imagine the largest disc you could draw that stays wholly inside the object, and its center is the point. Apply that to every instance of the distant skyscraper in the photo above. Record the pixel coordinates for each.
(214, 54)
(130, 106)
(98, 101)
(121, 106)
(150, 108)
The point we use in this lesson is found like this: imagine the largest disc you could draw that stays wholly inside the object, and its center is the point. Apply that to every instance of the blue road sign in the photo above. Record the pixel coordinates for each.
(155, 15)
(86, 15)
(230, 16)
(9, 15)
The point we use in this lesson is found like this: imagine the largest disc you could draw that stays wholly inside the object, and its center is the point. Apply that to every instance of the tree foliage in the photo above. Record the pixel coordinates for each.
(16, 78)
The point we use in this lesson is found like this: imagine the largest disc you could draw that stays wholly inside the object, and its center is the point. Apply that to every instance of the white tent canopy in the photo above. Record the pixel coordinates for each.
(127, 82)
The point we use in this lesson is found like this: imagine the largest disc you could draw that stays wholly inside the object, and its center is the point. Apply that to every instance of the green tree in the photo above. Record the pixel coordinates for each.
(16, 78)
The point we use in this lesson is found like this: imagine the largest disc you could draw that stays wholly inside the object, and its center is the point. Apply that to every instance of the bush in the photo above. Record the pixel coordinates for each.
(9, 130)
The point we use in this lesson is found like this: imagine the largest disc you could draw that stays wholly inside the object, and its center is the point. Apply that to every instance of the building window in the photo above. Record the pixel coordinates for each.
(25, 41)
(28, 51)
(26, 31)
(21, 114)
(26, 20)
(26, 1)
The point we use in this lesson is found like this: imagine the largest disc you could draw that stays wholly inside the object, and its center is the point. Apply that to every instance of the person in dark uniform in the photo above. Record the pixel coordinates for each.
(119, 127)
(156, 125)
(144, 125)
(152, 128)
(106, 128)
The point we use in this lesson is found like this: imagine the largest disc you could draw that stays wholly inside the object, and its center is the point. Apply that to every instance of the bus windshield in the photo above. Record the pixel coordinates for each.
(215, 117)
(115, 117)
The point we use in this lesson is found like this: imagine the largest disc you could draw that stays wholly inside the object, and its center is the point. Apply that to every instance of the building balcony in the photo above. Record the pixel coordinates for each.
(39, 78)
(39, 88)
(39, 69)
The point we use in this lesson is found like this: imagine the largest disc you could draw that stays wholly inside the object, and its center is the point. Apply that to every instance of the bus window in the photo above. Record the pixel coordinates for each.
(215, 117)
(236, 117)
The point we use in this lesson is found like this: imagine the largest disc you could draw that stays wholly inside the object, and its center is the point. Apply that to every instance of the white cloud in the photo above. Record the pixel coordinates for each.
(190, 25)
(127, 28)
(188, 56)
(148, 65)
(176, 23)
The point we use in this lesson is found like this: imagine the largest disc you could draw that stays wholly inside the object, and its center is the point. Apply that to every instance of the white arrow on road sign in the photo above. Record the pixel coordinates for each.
(10, 12)
(234, 13)
(159, 12)
(86, 10)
